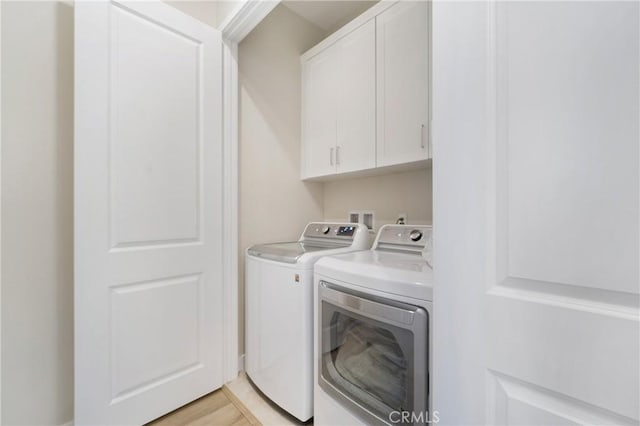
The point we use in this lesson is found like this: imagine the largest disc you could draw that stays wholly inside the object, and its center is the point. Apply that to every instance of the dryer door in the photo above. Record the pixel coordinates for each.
(373, 355)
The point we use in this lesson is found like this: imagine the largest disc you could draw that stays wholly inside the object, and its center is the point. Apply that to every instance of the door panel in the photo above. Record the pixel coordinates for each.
(155, 101)
(148, 199)
(163, 311)
(560, 111)
(537, 197)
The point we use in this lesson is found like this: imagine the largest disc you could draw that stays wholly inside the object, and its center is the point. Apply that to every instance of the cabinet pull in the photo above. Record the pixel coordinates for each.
(422, 136)
(338, 155)
(331, 156)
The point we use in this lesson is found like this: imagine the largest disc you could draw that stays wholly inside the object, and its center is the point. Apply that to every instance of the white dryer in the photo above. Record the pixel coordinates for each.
(279, 311)
(372, 332)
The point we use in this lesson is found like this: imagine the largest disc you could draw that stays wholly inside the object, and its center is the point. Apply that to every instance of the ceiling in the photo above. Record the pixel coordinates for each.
(328, 15)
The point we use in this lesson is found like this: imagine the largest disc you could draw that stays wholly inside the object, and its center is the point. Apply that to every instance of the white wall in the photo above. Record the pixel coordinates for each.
(37, 221)
(224, 9)
(386, 195)
(211, 12)
(274, 204)
(205, 11)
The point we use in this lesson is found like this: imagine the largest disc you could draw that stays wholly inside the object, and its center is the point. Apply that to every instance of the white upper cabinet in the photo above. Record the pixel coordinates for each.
(403, 83)
(356, 119)
(366, 94)
(319, 100)
(339, 106)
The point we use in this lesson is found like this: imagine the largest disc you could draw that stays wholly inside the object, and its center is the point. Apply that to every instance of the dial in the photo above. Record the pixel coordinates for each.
(415, 235)
(326, 229)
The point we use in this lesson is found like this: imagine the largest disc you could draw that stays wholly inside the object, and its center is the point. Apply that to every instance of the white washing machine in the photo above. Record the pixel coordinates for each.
(279, 311)
(372, 332)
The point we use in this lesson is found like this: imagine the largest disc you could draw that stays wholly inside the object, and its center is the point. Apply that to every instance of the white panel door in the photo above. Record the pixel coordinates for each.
(536, 220)
(402, 33)
(356, 86)
(319, 113)
(148, 224)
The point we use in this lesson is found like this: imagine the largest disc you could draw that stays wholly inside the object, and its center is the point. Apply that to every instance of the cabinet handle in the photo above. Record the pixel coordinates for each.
(422, 136)
(331, 156)
(338, 155)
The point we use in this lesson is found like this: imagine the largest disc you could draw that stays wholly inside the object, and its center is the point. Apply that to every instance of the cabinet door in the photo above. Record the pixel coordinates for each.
(403, 83)
(356, 135)
(319, 114)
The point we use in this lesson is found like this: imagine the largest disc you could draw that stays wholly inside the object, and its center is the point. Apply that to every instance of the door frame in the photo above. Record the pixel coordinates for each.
(0, 214)
(247, 15)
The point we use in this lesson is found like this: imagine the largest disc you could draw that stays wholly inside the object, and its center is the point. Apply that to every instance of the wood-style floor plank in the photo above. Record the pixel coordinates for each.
(226, 415)
(242, 422)
(214, 409)
(240, 405)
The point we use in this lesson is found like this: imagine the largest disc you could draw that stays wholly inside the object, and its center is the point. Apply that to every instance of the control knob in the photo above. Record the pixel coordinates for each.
(326, 229)
(415, 235)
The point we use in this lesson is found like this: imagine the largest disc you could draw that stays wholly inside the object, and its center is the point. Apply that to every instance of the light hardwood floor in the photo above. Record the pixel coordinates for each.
(265, 411)
(219, 408)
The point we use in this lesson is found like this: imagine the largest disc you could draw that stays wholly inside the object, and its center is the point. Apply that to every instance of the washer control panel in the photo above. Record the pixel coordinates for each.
(340, 231)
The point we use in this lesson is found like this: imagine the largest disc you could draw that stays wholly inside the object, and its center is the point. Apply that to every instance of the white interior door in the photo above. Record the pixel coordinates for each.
(536, 220)
(148, 226)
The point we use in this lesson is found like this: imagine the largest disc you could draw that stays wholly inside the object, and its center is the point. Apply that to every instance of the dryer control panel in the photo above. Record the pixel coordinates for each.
(403, 237)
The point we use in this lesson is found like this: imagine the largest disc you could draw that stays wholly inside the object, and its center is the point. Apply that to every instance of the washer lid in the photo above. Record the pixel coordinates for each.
(289, 252)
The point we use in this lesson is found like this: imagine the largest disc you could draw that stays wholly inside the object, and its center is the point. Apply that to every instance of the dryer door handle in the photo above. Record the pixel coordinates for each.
(399, 313)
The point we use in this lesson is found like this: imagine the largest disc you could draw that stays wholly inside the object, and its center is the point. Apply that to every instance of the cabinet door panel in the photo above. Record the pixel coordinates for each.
(319, 114)
(403, 83)
(356, 133)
